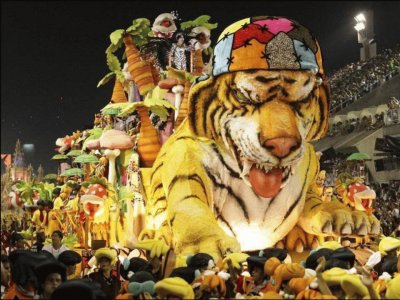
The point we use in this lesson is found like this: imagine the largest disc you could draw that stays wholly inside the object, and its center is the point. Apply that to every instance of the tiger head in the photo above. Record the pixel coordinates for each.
(266, 98)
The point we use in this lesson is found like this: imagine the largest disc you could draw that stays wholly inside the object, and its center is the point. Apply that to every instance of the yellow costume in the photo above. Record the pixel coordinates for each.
(58, 202)
(36, 218)
(55, 220)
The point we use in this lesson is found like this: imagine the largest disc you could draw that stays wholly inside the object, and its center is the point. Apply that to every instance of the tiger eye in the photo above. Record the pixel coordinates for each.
(239, 95)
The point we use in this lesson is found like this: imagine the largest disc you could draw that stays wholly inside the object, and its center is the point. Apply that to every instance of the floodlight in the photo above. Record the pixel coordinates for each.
(359, 26)
(360, 18)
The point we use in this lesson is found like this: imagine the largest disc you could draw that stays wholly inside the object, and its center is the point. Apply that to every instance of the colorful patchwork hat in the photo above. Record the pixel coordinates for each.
(268, 43)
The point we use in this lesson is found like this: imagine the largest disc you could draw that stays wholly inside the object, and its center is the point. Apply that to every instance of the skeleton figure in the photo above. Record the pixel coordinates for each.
(180, 54)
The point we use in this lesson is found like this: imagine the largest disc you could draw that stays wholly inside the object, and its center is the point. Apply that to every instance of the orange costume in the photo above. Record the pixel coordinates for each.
(16, 292)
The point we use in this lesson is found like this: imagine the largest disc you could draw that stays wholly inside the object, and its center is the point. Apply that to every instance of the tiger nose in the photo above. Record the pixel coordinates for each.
(281, 147)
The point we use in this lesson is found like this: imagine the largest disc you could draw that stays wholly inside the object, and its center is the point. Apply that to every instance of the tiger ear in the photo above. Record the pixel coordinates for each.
(320, 125)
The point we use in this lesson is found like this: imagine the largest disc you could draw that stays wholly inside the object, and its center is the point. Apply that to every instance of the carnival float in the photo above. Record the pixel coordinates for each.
(191, 153)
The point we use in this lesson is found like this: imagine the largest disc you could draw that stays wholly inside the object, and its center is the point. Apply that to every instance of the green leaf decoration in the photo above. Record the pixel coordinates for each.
(125, 194)
(26, 234)
(111, 111)
(200, 21)
(180, 75)
(98, 180)
(125, 156)
(114, 108)
(156, 104)
(116, 36)
(111, 49)
(120, 76)
(106, 79)
(72, 172)
(26, 190)
(45, 190)
(160, 111)
(70, 241)
(139, 30)
(113, 63)
(86, 158)
(94, 133)
(74, 152)
(60, 157)
(108, 127)
(129, 109)
(50, 176)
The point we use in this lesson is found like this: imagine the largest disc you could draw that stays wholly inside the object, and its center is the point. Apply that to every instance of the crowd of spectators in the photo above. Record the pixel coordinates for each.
(357, 79)
(387, 205)
(366, 123)
(333, 270)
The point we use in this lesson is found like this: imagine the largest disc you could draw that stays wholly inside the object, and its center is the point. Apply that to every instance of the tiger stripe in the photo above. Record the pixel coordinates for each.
(193, 177)
(302, 194)
(238, 200)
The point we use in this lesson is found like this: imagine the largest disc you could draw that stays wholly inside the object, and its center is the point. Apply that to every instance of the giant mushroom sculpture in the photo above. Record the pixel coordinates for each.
(60, 158)
(113, 141)
(93, 205)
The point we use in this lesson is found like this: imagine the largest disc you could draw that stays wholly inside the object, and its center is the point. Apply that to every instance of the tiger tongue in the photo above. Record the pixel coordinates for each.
(265, 184)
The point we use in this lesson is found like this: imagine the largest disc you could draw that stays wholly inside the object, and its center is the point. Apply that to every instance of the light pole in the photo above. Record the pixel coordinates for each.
(365, 32)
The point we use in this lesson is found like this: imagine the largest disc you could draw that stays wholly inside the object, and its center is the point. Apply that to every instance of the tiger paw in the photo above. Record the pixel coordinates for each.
(326, 219)
(298, 240)
(375, 225)
(216, 246)
(157, 248)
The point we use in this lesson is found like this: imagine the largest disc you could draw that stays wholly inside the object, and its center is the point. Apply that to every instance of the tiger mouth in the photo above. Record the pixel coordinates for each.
(265, 179)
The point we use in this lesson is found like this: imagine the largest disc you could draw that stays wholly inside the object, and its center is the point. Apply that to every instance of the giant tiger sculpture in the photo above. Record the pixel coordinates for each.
(235, 174)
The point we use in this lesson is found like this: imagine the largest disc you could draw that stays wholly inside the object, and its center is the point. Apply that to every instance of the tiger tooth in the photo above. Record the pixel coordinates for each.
(246, 168)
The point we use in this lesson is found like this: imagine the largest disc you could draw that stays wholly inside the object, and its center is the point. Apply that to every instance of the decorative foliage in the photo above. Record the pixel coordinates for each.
(45, 190)
(94, 133)
(60, 157)
(114, 64)
(116, 37)
(50, 176)
(74, 152)
(106, 79)
(139, 30)
(86, 158)
(72, 172)
(180, 75)
(26, 190)
(200, 21)
(156, 104)
(70, 240)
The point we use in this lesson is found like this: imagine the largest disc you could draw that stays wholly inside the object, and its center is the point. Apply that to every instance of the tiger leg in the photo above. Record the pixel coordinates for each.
(195, 230)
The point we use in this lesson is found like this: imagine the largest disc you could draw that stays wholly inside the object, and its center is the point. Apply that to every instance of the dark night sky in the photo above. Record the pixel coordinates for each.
(52, 54)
